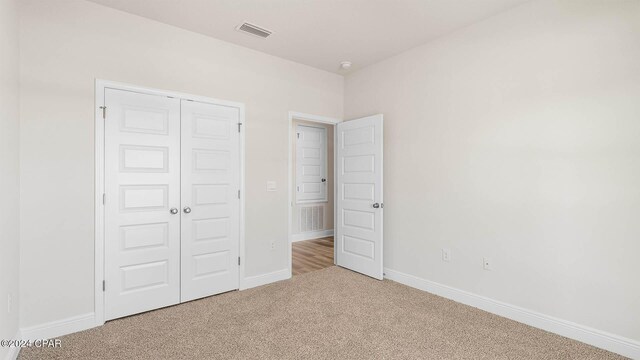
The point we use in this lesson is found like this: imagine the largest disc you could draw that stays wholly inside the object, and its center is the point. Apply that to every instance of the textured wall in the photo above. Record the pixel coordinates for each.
(516, 139)
(65, 45)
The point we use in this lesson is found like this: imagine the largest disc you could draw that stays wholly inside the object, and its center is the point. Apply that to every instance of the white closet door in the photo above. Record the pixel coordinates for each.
(142, 184)
(359, 201)
(210, 205)
(311, 164)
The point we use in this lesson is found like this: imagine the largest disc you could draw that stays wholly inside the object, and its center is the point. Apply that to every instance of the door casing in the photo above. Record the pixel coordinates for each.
(99, 220)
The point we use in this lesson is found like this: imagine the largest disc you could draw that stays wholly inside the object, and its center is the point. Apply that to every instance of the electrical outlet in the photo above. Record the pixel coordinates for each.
(486, 263)
(9, 303)
(273, 244)
(446, 254)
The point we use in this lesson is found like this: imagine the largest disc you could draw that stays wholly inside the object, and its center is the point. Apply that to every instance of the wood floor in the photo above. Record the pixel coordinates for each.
(312, 255)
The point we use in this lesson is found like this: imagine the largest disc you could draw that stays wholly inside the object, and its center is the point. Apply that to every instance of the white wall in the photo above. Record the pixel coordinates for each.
(65, 45)
(9, 170)
(518, 139)
(328, 205)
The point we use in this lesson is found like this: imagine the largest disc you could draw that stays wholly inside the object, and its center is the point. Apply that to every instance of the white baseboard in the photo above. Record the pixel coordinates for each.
(59, 327)
(311, 235)
(87, 321)
(258, 280)
(604, 340)
(14, 351)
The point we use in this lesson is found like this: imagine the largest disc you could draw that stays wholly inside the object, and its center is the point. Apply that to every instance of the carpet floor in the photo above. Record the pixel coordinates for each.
(327, 314)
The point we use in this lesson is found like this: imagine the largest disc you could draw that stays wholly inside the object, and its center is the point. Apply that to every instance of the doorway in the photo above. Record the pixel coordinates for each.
(358, 207)
(311, 193)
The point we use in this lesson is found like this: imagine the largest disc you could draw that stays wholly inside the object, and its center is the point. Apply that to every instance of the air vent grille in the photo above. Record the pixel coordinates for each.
(254, 30)
(311, 218)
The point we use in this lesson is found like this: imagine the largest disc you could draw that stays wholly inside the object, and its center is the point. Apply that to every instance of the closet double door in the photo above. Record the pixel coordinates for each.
(172, 210)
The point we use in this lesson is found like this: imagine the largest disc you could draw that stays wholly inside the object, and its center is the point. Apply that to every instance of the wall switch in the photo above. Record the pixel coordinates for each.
(273, 244)
(446, 254)
(271, 186)
(486, 263)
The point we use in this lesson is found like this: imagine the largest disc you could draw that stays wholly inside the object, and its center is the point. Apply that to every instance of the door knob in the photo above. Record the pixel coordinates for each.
(186, 209)
(376, 205)
(173, 211)
(324, 180)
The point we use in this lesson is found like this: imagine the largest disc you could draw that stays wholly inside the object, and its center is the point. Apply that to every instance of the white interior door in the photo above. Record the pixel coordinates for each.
(210, 199)
(142, 184)
(311, 164)
(359, 200)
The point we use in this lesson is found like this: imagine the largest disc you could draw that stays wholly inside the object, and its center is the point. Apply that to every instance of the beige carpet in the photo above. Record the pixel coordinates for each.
(327, 314)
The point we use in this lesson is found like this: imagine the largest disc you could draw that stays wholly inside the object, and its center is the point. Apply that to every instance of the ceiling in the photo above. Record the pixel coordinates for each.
(321, 33)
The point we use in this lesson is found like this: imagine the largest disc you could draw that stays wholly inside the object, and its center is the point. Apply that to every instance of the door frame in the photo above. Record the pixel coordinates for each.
(99, 189)
(294, 115)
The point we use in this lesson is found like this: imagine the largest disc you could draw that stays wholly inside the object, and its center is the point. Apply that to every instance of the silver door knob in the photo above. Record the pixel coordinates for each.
(173, 211)
(186, 209)
(376, 205)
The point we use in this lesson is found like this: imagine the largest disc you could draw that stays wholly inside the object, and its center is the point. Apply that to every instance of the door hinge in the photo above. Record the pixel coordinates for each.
(104, 285)
(238, 194)
(104, 199)
(298, 134)
(104, 111)
(238, 260)
(239, 124)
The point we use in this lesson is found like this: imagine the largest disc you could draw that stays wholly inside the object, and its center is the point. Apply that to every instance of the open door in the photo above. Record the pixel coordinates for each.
(359, 201)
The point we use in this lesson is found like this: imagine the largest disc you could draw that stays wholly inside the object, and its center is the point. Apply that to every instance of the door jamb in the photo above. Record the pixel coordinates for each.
(293, 115)
(99, 190)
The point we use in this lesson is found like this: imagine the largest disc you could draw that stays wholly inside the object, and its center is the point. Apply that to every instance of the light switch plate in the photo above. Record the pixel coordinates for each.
(271, 186)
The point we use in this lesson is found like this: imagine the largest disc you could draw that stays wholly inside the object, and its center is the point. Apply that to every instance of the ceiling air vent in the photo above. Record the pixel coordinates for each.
(253, 30)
